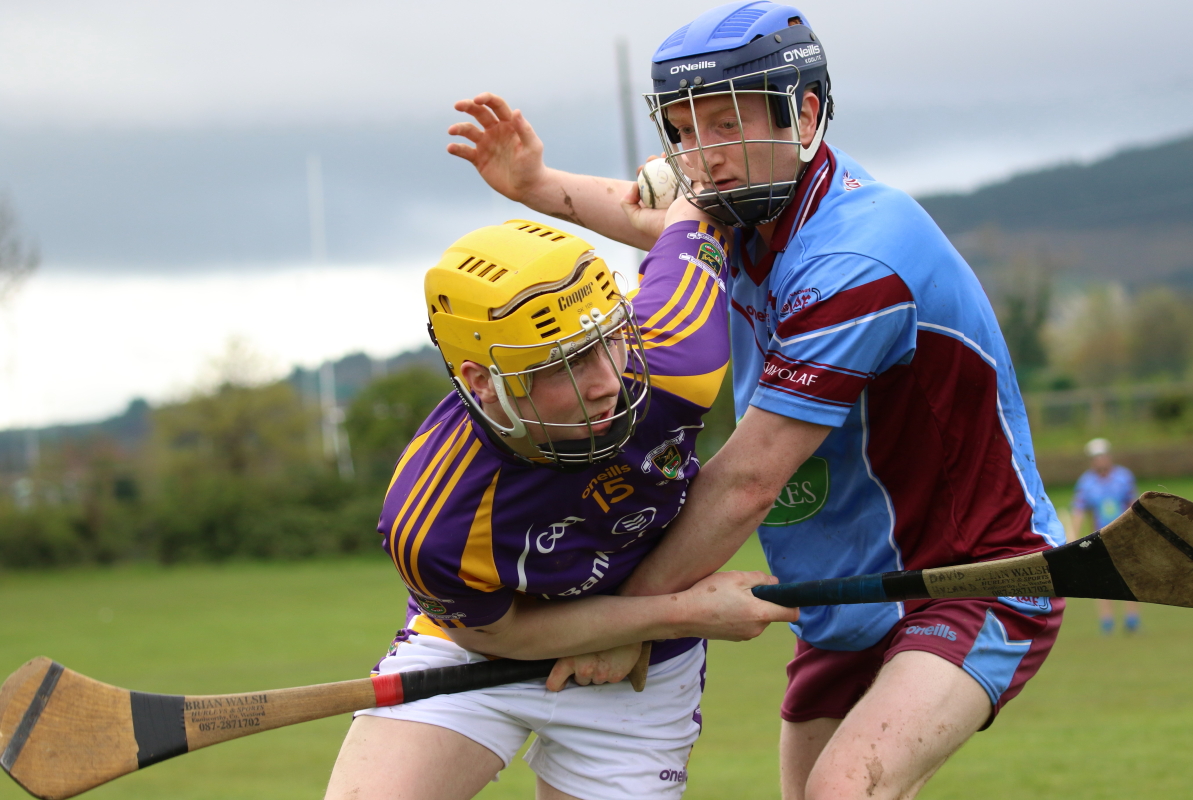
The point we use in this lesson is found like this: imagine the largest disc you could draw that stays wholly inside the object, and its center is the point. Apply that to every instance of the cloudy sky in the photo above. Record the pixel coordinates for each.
(157, 151)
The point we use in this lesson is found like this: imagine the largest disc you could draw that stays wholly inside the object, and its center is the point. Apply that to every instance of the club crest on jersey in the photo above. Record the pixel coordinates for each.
(798, 301)
(802, 497)
(711, 255)
(666, 458)
(851, 182)
(636, 522)
(431, 605)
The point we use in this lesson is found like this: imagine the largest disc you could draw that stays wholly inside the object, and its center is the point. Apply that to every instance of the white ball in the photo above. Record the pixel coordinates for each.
(657, 184)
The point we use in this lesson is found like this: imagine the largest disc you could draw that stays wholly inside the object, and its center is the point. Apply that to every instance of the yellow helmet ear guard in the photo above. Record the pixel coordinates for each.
(522, 297)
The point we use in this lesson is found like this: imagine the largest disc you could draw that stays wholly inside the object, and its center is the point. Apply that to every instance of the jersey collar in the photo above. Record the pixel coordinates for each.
(812, 187)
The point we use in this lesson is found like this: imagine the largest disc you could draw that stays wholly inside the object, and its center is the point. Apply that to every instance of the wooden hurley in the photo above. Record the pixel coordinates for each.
(62, 733)
(1146, 555)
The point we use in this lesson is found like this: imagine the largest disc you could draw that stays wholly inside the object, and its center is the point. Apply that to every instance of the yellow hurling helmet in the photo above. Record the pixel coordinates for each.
(524, 299)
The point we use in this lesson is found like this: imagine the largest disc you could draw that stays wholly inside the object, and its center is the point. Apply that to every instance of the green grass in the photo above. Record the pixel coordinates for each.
(1105, 718)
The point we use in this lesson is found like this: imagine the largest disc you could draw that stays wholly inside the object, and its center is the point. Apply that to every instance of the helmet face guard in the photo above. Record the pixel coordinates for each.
(755, 50)
(611, 342)
(772, 162)
(535, 307)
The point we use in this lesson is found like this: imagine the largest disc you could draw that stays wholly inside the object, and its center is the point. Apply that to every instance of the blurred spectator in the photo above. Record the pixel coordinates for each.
(1105, 490)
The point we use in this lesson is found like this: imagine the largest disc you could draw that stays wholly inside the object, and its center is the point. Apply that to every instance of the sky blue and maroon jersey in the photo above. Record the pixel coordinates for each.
(470, 527)
(1105, 497)
(862, 316)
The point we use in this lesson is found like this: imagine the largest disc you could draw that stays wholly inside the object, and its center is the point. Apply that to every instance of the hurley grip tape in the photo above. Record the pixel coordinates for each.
(467, 677)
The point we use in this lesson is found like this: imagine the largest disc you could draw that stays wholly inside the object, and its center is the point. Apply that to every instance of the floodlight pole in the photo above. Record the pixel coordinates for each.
(315, 208)
(335, 439)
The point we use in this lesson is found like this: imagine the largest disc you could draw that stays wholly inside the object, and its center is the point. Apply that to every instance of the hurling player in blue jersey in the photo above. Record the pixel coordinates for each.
(880, 426)
(1104, 491)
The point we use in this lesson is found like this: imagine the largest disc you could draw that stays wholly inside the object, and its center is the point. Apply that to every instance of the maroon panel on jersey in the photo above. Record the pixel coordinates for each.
(846, 305)
(964, 490)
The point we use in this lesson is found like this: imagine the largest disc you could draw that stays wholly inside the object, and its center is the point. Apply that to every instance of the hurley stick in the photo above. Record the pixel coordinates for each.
(1146, 555)
(62, 733)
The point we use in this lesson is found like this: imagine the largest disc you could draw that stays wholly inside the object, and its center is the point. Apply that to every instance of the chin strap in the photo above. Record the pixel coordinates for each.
(515, 437)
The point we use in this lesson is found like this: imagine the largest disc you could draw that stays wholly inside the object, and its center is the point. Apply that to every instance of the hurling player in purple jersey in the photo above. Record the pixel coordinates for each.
(528, 497)
(880, 426)
(1104, 491)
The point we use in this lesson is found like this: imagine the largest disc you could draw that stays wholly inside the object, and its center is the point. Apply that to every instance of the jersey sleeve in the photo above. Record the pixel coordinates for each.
(437, 524)
(682, 311)
(842, 320)
(1081, 500)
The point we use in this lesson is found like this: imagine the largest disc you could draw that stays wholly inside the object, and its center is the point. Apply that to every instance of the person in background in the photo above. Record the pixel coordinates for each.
(1104, 491)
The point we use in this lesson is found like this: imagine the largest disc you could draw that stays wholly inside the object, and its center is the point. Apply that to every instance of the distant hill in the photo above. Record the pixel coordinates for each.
(1128, 217)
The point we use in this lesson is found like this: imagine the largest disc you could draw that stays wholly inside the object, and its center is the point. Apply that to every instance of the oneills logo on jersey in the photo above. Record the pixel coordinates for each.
(693, 67)
(569, 300)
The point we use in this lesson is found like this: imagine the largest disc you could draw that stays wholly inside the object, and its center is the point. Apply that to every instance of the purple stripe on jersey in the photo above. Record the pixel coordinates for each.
(846, 305)
(943, 408)
(818, 382)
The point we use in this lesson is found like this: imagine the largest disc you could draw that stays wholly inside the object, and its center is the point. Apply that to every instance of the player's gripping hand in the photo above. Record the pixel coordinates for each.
(653, 221)
(507, 152)
(722, 607)
(605, 666)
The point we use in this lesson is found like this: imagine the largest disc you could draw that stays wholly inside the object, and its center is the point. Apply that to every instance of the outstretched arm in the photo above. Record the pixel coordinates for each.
(728, 500)
(719, 607)
(508, 154)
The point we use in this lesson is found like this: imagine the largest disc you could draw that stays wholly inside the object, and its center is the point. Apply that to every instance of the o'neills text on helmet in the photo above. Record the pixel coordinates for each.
(575, 297)
(801, 52)
(692, 67)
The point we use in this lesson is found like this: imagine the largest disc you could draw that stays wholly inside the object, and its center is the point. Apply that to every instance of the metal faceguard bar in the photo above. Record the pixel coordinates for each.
(633, 405)
(777, 193)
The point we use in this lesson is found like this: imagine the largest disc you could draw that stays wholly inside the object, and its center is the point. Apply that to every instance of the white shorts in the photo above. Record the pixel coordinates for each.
(603, 742)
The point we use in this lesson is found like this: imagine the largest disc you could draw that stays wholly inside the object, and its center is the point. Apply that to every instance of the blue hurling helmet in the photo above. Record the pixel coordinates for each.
(742, 49)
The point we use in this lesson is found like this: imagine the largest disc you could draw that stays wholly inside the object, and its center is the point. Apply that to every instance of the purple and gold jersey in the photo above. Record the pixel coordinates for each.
(470, 527)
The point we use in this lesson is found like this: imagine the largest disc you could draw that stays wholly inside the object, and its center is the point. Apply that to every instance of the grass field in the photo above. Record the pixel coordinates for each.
(1105, 718)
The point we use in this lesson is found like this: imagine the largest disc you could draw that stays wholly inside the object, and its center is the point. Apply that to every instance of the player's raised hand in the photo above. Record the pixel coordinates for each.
(722, 607)
(605, 666)
(505, 149)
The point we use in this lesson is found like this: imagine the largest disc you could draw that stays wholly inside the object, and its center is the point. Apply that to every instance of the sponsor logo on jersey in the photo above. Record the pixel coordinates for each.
(798, 301)
(571, 299)
(599, 564)
(802, 497)
(431, 605)
(693, 67)
(545, 541)
(807, 52)
(939, 629)
(636, 522)
(851, 183)
(789, 375)
(666, 458)
(674, 775)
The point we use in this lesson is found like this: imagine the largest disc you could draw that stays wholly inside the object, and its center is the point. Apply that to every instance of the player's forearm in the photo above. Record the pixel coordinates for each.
(725, 506)
(729, 499)
(540, 629)
(587, 200)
